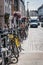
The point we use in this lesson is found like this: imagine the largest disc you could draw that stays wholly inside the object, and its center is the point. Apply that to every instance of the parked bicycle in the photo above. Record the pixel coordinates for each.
(15, 44)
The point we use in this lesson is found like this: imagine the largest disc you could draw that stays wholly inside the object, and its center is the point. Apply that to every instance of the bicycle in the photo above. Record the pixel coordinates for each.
(14, 40)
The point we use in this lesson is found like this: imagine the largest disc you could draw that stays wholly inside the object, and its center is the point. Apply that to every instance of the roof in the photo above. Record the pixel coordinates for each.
(34, 17)
(40, 7)
(22, 1)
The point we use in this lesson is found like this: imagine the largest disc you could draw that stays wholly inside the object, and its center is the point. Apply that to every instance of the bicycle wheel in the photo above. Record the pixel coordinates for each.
(16, 52)
(14, 60)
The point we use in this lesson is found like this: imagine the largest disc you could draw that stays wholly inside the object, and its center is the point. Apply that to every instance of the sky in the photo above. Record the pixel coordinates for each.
(33, 4)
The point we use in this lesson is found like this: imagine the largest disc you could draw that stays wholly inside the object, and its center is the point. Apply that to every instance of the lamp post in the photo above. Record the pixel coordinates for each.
(27, 9)
(27, 15)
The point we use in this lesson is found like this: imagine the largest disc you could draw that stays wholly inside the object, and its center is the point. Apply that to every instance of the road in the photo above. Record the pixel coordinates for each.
(33, 48)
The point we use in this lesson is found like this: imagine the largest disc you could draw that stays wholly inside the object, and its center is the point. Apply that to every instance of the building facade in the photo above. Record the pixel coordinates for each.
(14, 6)
(5, 12)
(40, 13)
(33, 13)
(22, 7)
(18, 5)
(1, 13)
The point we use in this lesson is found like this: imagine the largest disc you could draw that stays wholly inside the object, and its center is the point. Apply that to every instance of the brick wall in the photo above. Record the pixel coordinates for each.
(1, 13)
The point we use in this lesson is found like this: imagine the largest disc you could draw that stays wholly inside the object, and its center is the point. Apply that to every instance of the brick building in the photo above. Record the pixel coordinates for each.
(18, 5)
(5, 12)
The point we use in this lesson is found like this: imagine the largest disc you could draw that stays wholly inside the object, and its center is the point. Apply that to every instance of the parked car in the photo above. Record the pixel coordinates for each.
(34, 22)
(41, 24)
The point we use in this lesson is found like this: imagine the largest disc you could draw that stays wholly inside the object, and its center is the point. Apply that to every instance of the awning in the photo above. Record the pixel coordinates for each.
(17, 13)
(24, 17)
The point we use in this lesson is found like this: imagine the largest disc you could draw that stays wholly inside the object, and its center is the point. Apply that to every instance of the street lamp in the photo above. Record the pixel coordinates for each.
(27, 9)
(27, 4)
(27, 15)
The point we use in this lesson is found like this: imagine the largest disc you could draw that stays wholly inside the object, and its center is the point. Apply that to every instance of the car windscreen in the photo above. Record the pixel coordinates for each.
(33, 21)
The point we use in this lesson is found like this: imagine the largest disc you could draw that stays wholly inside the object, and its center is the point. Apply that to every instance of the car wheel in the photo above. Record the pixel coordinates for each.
(36, 26)
(30, 26)
(41, 25)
